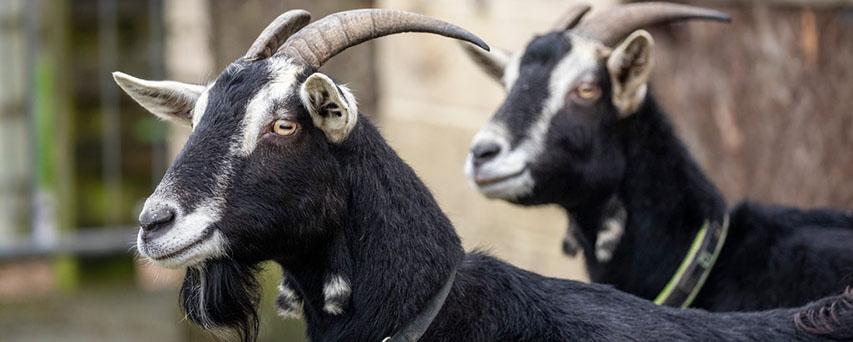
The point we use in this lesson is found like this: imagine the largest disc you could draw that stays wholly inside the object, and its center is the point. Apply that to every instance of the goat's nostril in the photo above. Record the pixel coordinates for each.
(484, 152)
(156, 218)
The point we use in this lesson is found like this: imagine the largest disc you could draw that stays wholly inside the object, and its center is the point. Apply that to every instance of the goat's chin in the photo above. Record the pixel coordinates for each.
(221, 296)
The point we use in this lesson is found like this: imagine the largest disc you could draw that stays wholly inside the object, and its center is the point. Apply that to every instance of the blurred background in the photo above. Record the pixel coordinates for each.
(764, 104)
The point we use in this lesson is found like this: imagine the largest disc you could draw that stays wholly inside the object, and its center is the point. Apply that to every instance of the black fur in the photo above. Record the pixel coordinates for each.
(222, 294)
(402, 248)
(356, 209)
(774, 256)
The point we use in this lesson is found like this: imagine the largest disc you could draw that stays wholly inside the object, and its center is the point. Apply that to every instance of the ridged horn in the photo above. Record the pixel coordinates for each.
(323, 39)
(277, 33)
(572, 17)
(611, 26)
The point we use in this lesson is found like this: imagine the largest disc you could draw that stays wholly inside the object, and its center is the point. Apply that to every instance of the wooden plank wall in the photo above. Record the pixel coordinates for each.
(766, 103)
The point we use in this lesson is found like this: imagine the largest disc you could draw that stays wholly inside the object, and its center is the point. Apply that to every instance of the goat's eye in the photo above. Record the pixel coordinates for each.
(588, 91)
(284, 127)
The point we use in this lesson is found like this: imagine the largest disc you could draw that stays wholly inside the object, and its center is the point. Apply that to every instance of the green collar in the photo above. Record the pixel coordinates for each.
(694, 269)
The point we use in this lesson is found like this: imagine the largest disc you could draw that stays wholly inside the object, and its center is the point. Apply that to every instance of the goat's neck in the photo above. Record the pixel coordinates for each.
(398, 245)
(666, 197)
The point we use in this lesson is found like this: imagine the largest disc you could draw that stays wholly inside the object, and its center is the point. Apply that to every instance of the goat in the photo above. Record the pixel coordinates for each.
(280, 166)
(578, 128)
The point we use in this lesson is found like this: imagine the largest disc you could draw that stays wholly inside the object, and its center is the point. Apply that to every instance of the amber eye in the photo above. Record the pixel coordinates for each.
(588, 91)
(284, 127)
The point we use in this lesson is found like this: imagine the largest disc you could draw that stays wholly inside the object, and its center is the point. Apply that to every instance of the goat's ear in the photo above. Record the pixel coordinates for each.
(493, 62)
(332, 107)
(630, 66)
(168, 100)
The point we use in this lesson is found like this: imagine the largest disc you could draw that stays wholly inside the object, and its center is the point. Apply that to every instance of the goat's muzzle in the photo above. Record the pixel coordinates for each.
(156, 220)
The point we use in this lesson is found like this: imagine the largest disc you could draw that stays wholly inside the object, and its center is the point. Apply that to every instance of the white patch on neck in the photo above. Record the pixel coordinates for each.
(609, 234)
(336, 293)
(289, 303)
(611, 229)
(260, 109)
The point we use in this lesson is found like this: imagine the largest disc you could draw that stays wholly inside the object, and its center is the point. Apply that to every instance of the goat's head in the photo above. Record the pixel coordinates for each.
(257, 180)
(553, 136)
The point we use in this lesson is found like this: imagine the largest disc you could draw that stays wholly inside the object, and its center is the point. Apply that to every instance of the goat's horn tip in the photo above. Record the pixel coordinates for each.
(481, 44)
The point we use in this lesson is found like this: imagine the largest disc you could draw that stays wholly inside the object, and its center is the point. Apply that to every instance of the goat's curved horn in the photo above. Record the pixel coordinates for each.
(611, 26)
(277, 33)
(572, 17)
(321, 40)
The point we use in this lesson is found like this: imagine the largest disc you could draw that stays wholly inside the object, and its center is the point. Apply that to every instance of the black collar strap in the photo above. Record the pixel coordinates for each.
(416, 328)
(696, 266)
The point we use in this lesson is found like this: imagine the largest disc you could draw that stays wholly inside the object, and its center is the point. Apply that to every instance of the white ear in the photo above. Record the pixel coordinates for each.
(493, 62)
(630, 66)
(168, 100)
(332, 107)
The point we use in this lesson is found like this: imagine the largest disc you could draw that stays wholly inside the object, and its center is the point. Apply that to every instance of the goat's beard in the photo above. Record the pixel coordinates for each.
(222, 296)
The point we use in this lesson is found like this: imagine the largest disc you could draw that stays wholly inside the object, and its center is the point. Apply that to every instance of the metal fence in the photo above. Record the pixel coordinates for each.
(67, 138)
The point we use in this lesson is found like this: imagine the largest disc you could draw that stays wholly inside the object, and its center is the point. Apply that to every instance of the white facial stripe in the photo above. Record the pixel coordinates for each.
(259, 111)
(583, 57)
(512, 70)
(200, 106)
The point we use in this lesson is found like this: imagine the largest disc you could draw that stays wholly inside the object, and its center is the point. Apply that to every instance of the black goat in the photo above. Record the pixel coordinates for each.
(579, 129)
(280, 166)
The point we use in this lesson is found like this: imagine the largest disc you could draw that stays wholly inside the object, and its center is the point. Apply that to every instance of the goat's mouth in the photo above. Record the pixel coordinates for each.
(484, 181)
(207, 245)
(182, 250)
(507, 186)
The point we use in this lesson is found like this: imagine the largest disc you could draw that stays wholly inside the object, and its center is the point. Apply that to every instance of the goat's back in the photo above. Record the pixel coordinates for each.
(493, 300)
